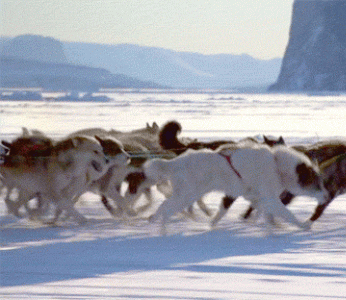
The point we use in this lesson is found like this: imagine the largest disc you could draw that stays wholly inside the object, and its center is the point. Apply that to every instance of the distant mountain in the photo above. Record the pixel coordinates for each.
(153, 67)
(176, 69)
(36, 61)
(21, 73)
(3, 41)
(35, 47)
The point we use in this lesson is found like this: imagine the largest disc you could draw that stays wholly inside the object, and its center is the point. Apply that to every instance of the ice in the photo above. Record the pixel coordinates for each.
(127, 258)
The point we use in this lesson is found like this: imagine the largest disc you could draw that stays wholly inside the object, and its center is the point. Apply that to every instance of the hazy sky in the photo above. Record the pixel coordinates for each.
(256, 27)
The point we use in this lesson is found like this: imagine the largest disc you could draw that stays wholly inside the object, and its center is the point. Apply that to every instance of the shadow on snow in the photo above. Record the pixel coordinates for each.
(84, 259)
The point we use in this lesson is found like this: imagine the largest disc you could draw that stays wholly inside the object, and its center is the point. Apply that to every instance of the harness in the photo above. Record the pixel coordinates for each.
(229, 160)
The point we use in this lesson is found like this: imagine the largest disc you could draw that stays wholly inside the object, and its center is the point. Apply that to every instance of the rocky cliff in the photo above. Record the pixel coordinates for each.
(315, 57)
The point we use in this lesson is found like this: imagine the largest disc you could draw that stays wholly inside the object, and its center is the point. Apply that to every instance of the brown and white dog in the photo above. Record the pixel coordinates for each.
(63, 175)
(28, 149)
(140, 144)
(334, 179)
(329, 155)
(257, 172)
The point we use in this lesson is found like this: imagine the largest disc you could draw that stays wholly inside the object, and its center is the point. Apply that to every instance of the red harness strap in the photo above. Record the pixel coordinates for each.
(228, 158)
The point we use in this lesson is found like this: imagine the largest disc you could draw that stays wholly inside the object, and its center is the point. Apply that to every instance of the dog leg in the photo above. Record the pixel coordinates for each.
(226, 203)
(121, 203)
(81, 220)
(143, 208)
(14, 206)
(286, 197)
(170, 207)
(106, 204)
(67, 205)
(317, 214)
(204, 208)
(249, 211)
(57, 213)
(278, 209)
(319, 211)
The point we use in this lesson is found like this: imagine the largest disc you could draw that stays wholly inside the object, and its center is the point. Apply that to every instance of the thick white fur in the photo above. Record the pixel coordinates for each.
(265, 173)
(61, 179)
(136, 142)
(286, 160)
(165, 188)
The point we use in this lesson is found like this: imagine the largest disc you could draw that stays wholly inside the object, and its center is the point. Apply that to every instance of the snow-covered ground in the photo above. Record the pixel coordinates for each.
(127, 259)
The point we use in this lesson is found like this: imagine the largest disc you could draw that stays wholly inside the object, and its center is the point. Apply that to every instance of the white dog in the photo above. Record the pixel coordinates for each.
(65, 174)
(140, 144)
(257, 172)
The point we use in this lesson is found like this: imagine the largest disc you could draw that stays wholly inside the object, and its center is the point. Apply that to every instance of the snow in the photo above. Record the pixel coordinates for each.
(127, 258)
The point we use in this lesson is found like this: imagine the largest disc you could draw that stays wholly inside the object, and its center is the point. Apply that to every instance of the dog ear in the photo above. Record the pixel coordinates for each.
(155, 126)
(26, 132)
(76, 141)
(281, 141)
(111, 146)
(98, 139)
(6, 144)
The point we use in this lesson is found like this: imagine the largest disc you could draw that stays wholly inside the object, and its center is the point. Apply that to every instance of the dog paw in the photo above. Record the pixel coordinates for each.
(307, 225)
(213, 224)
(50, 223)
(151, 219)
(117, 213)
(82, 221)
(131, 212)
(208, 212)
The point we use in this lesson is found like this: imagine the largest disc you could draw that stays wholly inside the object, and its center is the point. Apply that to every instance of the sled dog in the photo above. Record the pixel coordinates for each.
(329, 155)
(257, 172)
(140, 144)
(63, 175)
(334, 179)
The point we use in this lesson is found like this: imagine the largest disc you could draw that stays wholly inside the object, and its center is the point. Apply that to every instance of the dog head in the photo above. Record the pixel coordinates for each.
(334, 175)
(323, 151)
(114, 151)
(298, 174)
(154, 129)
(147, 130)
(272, 141)
(81, 155)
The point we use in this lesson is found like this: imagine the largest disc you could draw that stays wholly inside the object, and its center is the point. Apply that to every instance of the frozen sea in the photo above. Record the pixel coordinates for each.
(127, 259)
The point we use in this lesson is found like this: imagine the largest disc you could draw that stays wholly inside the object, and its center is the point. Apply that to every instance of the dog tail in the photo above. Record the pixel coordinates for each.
(168, 139)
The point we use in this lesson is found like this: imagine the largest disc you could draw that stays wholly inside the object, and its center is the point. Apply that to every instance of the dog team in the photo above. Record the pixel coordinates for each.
(54, 174)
